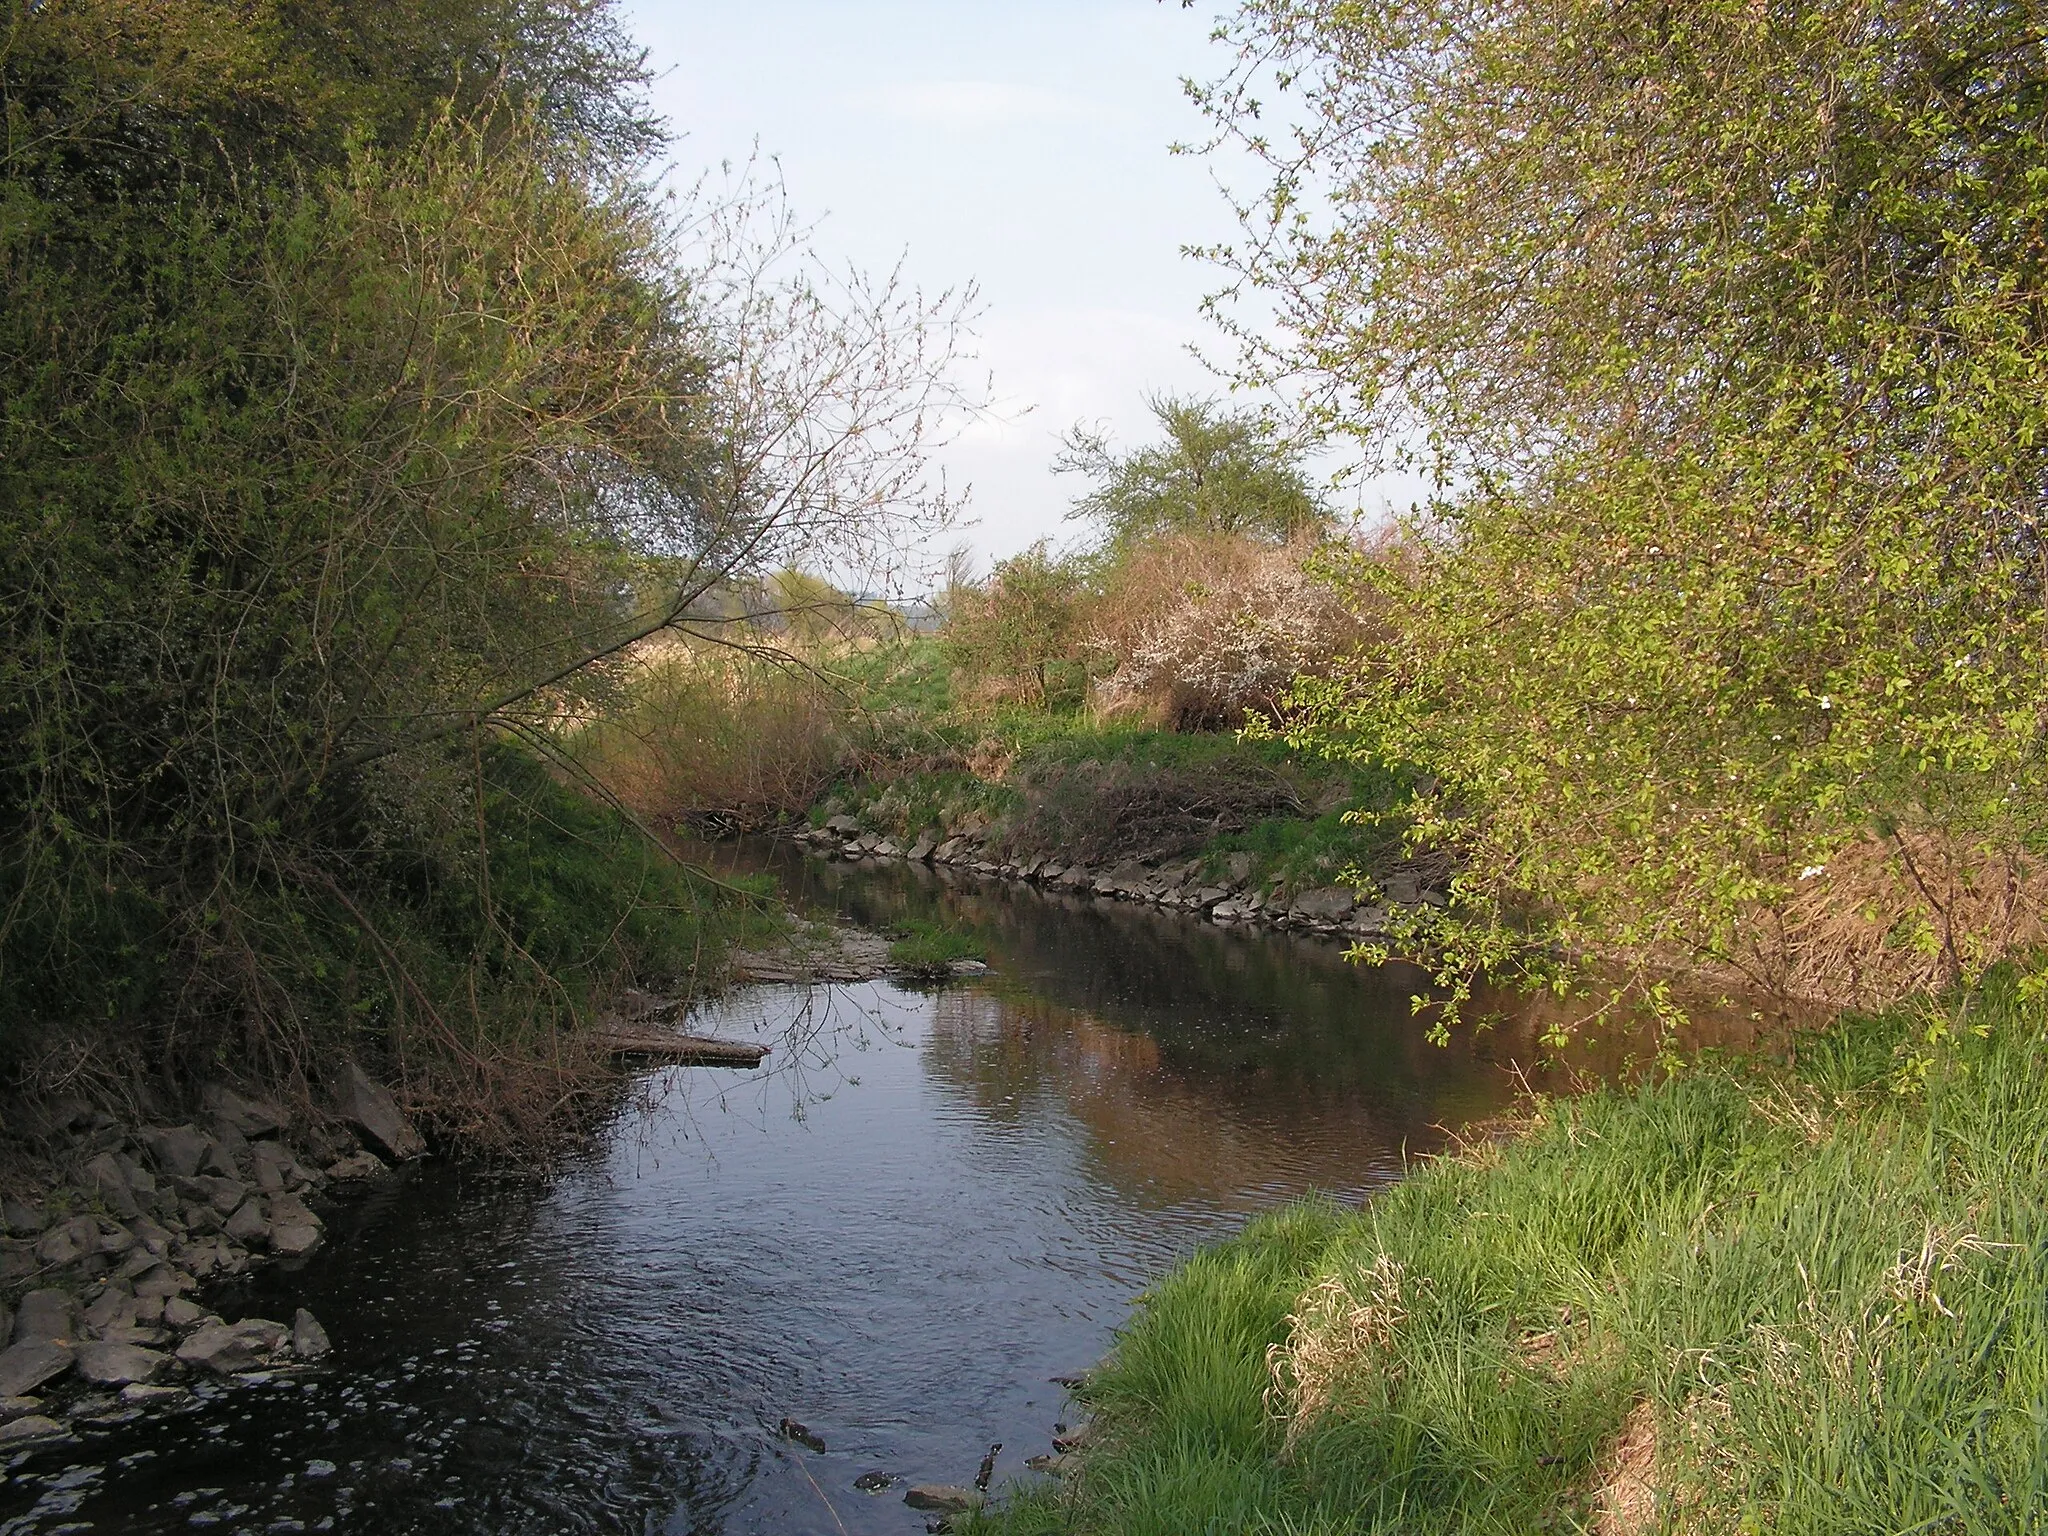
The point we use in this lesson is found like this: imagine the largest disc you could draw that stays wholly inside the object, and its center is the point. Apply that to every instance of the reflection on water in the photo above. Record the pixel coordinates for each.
(933, 1202)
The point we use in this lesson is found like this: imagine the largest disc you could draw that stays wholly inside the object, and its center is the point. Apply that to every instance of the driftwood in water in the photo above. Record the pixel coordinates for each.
(651, 1044)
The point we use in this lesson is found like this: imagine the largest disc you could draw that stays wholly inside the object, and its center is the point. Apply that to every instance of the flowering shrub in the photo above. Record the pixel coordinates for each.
(1196, 631)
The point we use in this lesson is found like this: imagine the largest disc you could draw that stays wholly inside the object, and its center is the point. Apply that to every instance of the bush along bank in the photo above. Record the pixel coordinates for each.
(113, 1232)
(1743, 1298)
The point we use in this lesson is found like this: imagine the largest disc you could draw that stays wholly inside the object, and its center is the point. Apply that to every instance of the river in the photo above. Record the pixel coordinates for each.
(928, 1204)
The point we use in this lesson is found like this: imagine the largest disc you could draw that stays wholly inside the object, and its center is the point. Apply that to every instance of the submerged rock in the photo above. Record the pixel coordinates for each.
(29, 1429)
(359, 1165)
(944, 1498)
(789, 1429)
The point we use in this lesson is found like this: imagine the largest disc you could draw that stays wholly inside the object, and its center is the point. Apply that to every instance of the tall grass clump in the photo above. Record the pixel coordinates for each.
(1744, 1298)
(703, 730)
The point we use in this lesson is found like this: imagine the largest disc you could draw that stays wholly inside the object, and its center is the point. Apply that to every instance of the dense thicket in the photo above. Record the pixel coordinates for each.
(1723, 326)
(356, 403)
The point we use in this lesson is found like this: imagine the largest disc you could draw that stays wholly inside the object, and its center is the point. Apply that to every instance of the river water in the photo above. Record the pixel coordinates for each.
(928, 1204)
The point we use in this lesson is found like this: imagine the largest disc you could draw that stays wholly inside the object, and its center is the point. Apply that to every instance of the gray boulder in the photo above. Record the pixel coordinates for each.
(69, 1243)
(369, 1106)
(358, 1165)
(114, 1307)
(1326, 904)
(217, 1348)
(45, 1316)
(845, 826)
(227, 1154)
(247, 1225)
(1403, 890)
(309, 1339)
(164, 1282)
(268, 1161)
(1371, 921)
(116, 1365)
(24, 1367)
(105, 1177)
(21, 1220)
(251, 1117)
(178, 1149)
(137, 1393)
(224, 1195)
(225, 1348)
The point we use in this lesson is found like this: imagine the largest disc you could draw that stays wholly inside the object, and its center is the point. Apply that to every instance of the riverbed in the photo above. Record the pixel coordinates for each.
(928, 1204)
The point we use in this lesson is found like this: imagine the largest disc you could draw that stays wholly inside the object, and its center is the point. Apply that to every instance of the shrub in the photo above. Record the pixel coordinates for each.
(1199, 630)
(701, 730)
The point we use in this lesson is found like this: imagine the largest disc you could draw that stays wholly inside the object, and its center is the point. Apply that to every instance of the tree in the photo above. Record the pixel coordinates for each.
(358, 408)
(1022, 621)
(1722, 328)
(1217, 472)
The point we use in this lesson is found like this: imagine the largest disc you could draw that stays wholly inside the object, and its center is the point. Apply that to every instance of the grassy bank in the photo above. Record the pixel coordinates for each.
(1748, 1298)
(1069, 782)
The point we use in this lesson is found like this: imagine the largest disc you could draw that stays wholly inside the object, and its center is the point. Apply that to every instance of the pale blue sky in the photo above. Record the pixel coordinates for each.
(1021, 146)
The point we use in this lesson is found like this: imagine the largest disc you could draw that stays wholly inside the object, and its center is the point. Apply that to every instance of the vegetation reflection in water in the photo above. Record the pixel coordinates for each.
(932, 1202)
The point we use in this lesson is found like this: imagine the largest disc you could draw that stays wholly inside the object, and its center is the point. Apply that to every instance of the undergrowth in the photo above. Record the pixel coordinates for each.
(465, 970)
(927, 949)
(1745, 1298)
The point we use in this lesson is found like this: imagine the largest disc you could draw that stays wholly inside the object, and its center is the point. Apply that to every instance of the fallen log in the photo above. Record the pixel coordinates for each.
(682, 1050)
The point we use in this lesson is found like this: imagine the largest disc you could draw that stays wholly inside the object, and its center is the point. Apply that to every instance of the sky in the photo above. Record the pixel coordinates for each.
(1022, 147)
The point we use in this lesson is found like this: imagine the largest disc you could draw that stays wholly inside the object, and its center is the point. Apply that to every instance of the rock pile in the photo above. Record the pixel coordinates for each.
(1179, 885)
(104, 1271)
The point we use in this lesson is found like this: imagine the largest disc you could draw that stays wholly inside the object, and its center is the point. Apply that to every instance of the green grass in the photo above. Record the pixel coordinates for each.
(927, 948)
(1829, 1293)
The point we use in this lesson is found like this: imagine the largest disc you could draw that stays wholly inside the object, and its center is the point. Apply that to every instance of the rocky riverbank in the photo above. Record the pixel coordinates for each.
(114, 1233)
(1192, 885)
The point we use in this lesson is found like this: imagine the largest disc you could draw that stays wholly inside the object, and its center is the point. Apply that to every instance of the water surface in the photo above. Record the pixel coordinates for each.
(929, 1204)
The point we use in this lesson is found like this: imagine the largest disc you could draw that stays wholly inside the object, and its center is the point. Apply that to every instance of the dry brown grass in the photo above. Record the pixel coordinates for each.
(1626, 1496)
(1886, 918)
(1342, 1328)
(715, 730)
